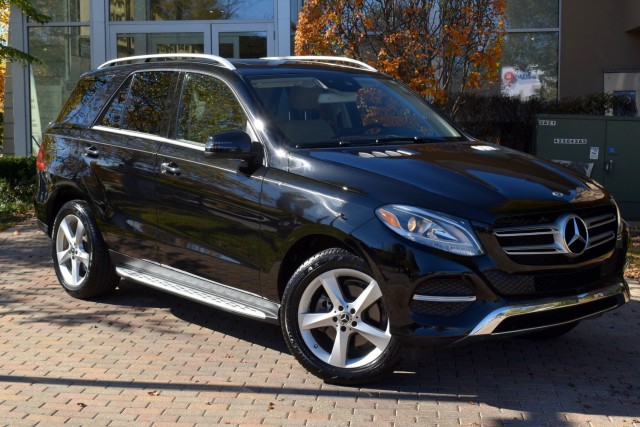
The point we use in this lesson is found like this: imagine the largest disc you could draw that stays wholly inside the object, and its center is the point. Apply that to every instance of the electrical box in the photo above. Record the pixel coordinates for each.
(605, 148)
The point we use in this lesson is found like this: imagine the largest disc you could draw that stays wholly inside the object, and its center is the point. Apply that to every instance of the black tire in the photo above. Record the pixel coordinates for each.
(345, 344)
(80, 256)
(551, 333)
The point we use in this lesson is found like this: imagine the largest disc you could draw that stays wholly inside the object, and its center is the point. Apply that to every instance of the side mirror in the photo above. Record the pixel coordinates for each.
(232, 144)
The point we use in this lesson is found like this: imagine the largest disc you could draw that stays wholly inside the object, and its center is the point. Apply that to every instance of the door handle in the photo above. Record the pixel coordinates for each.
(170, 168)
(608, 166)
(91, 151)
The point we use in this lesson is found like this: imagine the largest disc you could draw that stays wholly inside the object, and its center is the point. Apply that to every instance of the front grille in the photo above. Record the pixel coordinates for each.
(545, 239)
(442, 287)
(557, 316)
(540, 284)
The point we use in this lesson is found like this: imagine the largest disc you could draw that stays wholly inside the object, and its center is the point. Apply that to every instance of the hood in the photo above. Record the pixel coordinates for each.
(468, 179)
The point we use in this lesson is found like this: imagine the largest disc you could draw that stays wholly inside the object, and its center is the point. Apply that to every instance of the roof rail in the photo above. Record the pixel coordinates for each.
(327, 59)
(167, 56)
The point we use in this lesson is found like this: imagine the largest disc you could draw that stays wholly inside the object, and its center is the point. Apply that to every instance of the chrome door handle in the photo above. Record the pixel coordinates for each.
(91, 151)
(170, 168)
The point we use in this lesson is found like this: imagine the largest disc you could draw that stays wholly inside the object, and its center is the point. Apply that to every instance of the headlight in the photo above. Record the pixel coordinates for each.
(433, 229)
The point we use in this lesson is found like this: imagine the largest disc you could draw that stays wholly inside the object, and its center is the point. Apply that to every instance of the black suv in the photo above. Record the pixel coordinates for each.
(320, 194)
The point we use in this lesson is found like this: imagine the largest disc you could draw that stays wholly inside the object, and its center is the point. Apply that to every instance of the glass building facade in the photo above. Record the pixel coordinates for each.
(530, 63)
(82, 34)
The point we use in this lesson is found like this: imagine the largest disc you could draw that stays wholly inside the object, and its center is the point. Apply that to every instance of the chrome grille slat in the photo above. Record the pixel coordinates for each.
(601, 239)
(533, 250)
(548, 238)
(524, 231)
(600, 220)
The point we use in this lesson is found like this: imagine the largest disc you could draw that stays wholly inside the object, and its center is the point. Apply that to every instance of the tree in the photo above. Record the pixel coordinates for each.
(440, 48)
(8, 53)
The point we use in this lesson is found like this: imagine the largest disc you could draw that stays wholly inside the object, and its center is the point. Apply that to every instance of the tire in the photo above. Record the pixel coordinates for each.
(335, 321)
(80, 256)
(551, 333)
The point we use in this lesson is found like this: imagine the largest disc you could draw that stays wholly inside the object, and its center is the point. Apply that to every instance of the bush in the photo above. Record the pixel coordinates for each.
(17, 186)
(511, 121)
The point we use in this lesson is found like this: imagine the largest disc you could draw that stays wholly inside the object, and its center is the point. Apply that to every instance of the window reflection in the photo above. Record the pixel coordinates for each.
(64, 10)
(530, 65)
(79, 108)
(180, 10)
(64, 54)
(131, 44)
(208, 106)
(532, 14)
(141, 105)
(243, 45)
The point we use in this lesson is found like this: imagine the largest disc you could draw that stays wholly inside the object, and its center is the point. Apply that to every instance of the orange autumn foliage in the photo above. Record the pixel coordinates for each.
(441, 49)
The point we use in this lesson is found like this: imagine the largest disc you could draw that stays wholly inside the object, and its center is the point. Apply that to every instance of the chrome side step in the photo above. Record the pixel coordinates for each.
(201, 290)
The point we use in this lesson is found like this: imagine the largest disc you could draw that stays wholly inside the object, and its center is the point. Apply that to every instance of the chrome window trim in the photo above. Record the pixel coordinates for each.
(134, 134)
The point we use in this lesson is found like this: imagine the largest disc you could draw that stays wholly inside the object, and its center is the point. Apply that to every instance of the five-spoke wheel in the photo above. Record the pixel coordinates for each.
(335, 319)
(80, 255)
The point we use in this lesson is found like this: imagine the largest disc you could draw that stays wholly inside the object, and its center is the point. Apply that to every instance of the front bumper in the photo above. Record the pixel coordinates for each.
(536, 315)
(437, 299)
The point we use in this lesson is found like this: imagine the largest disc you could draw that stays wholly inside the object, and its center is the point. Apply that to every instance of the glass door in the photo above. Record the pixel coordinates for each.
(243, 40)
(133, 40)
(229, 40)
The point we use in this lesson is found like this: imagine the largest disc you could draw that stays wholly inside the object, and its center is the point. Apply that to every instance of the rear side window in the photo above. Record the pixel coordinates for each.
(141, 103)
(81, 108)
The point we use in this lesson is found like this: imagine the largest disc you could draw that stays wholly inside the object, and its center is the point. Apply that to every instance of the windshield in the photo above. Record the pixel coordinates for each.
(330, 108)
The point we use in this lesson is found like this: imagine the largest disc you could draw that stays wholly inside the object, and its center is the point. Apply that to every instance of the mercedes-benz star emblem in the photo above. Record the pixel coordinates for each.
(576, 235)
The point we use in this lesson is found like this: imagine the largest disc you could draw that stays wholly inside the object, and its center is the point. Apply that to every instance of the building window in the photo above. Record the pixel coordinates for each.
(131, 44)
(64, 10)
(531, 50)
(183, 10)
(64, 54)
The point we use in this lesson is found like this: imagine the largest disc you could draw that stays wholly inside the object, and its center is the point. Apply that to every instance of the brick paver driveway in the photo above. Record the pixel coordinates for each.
(142, 357)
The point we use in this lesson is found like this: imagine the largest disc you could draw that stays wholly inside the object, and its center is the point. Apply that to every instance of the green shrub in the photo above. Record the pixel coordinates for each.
(17, 186)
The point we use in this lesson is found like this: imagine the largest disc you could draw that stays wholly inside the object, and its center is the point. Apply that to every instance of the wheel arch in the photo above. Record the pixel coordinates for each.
(305, 248)
(63, 194)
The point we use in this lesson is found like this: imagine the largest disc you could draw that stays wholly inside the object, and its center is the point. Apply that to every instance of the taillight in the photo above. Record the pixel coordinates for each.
(40, 164)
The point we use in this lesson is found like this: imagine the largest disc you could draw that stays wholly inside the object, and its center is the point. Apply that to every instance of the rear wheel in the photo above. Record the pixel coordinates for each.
(335, 321)
(80, 256)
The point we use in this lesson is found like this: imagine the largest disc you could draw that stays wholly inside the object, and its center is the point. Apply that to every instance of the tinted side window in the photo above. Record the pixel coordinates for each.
(113, 116)
(141, 105)
(80, 108)
(207, 106)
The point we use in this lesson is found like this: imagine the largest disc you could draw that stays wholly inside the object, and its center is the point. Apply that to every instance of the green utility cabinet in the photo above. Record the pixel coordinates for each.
(605, 148)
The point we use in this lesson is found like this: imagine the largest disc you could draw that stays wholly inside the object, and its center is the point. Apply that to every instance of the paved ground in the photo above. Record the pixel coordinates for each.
(142, 357)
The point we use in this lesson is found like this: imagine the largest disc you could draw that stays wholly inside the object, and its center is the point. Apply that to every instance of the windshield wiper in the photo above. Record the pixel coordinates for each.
(361, 142)
(411, 139)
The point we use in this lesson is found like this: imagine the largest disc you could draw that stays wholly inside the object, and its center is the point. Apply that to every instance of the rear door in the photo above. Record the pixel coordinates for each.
(208, 207)
(122, 156)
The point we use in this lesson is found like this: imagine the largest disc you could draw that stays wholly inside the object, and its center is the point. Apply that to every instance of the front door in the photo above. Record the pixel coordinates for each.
(208, 207)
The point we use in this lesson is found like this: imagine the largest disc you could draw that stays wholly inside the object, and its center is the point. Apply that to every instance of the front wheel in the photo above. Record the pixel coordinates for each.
(80, 256)
(335, 321)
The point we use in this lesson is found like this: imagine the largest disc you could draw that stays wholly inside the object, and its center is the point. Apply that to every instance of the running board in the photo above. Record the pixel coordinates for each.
(203, 291)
